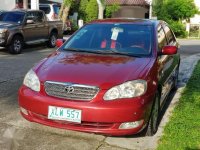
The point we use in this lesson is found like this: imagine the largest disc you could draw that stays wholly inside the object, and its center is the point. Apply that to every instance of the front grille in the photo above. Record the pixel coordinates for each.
(70, 91)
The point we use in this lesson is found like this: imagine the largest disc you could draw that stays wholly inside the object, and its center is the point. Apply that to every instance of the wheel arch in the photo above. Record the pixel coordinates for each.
(10, 38)
(53, 30)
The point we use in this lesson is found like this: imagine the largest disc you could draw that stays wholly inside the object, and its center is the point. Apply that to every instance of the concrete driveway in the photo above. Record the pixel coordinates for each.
(17, 133)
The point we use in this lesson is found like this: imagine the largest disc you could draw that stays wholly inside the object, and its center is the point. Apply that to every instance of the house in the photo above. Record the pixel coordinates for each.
(131, 8)
(8, 4)
(196, 18)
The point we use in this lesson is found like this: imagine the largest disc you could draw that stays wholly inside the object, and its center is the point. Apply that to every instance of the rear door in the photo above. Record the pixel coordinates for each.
(41, 25)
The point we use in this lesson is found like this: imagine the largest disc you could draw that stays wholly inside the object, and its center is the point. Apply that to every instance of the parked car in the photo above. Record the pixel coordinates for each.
(51, 11)
(52, 14)
(19, 27)
(111, 77)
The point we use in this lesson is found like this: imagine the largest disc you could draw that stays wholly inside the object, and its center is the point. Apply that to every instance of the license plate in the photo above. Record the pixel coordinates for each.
(66, 114)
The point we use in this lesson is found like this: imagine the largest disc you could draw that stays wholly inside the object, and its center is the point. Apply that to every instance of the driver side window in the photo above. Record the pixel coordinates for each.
(162, 40)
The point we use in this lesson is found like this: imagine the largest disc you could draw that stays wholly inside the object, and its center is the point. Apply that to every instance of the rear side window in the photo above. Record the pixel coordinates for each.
(170, 35)
(162, 40)
(56, 9)
(46, 9)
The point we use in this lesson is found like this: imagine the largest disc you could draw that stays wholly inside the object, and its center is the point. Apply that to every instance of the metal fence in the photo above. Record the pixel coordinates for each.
(194, 31)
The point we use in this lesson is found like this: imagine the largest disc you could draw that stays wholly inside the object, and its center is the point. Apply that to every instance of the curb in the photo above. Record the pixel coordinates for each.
(187, 66)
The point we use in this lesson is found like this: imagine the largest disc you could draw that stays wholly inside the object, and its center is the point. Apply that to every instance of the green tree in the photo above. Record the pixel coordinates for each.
(64, 10)
(181, 9)
(82, 9)
(111, 9)
(91, 10)
(174, 12)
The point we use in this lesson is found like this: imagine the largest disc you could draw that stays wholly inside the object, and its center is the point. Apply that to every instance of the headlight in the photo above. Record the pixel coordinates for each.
(3, 30)
(31, 80)
(128, 89)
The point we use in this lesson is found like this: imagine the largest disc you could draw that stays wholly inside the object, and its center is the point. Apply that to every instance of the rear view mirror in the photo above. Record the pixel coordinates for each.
(169, 50)
(59, 42)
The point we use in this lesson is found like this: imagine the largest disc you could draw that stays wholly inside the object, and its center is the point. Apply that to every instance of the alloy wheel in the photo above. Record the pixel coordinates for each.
(17, 45)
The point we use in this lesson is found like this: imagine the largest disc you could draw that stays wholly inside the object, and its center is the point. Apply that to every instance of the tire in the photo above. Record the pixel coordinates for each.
(16, 45)
(154, 118)
(52, 40)
(175, 78)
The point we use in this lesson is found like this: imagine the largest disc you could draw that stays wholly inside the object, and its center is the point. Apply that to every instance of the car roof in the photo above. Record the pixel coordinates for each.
(22, 10)
(128, 21)
(48, 4)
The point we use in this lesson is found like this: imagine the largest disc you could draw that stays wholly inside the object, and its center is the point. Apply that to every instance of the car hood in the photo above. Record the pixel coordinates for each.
(4, 24)
(99, 70)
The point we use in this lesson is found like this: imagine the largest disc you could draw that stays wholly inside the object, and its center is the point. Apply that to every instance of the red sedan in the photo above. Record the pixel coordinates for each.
(111, 77)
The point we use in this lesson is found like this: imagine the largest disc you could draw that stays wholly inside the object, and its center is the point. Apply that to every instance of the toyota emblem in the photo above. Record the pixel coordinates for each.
(69, 89)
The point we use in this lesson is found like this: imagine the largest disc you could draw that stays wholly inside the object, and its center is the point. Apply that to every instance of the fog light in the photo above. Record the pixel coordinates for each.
(131, 125)
(24, 111)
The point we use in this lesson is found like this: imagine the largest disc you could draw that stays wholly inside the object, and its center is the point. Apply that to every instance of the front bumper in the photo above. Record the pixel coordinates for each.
(102, 117)
(2, 42)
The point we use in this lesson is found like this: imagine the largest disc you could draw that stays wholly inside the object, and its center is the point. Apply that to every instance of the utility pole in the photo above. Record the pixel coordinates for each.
(101, 7)
(150, 8)
(35, 4)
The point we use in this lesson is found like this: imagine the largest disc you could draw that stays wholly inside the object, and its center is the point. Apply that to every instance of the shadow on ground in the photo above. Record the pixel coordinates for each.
(27, 49)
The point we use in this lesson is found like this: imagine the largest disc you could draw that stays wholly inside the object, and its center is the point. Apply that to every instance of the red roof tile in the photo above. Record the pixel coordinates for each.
(128, 2)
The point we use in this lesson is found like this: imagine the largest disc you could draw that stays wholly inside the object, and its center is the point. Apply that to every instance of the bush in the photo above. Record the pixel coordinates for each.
(111, 9)
(91, 10)
(82, 9)
(178, 28)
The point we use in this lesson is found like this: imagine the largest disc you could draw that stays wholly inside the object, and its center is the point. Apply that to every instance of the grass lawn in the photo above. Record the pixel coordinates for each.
(183, 130)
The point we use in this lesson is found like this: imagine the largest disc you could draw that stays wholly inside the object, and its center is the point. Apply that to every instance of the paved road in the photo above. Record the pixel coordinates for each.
(17, 133)
(189, 47)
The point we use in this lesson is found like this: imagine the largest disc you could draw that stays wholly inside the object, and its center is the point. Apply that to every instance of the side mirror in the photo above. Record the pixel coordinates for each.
(59, 42)
(169, 50)
(29, 21)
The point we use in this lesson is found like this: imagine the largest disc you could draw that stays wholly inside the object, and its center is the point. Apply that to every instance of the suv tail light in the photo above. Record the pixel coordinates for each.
(54, 16)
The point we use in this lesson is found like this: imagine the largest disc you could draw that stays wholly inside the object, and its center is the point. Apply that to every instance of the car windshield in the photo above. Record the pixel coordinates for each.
(16, 17)
(126, 39)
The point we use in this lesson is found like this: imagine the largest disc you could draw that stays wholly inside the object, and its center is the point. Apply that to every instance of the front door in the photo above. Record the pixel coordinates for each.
(167, 63)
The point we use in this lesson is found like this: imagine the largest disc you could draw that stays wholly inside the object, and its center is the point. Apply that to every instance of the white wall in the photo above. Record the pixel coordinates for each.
(7, 4)
(131, 11)
(35, 4)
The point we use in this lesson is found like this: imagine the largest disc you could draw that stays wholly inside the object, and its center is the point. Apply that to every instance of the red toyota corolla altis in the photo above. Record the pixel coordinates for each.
(111, 77)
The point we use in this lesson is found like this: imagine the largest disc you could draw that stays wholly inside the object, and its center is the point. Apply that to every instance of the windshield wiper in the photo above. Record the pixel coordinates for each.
(82, 50)
(121, 53)
(102, 52)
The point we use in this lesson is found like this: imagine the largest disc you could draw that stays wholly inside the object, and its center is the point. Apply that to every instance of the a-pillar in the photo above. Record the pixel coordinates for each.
(35, 4)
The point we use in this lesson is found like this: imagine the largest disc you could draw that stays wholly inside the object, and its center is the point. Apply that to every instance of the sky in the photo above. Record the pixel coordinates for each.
(197, 3)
